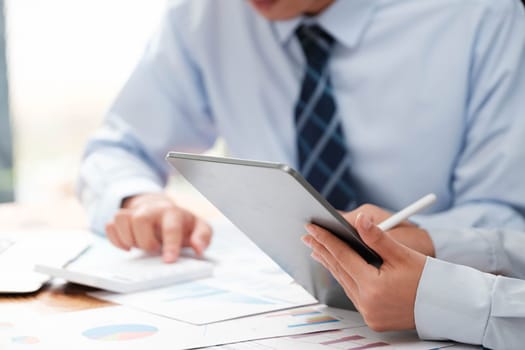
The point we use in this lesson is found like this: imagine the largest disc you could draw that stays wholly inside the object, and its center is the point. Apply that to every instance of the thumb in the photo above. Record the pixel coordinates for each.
(382, 244)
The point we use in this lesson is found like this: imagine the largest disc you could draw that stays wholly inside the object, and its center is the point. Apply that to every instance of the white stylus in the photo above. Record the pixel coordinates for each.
(405, 213)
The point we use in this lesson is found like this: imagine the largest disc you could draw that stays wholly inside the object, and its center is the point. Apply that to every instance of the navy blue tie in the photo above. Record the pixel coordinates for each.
(322, 150)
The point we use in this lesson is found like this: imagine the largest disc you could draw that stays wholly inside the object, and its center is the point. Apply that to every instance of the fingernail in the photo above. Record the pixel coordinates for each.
(199, 250)
(311, 230)
(169, 257)
(365, 221)
(199, 246)
(306, 241)
(315, 256)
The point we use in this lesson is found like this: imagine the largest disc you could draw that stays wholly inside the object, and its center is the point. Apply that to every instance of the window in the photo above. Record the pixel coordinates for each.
(67, 61)
(6, 160)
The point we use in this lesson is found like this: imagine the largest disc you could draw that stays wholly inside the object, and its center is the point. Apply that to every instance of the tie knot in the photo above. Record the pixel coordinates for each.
(316, 43)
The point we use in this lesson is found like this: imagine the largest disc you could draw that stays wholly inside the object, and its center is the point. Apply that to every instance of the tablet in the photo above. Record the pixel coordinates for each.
(271, 203)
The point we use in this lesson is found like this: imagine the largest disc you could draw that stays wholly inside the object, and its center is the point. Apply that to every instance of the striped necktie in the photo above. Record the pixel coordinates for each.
(322, 150)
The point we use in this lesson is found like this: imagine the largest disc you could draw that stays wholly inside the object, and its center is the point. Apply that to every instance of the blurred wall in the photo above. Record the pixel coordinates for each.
(6, 158)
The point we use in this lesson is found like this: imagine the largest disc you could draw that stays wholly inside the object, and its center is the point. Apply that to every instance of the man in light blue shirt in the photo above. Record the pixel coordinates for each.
(428, 96)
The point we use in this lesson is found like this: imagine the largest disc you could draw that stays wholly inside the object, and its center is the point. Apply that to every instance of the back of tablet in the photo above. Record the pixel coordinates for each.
(271, 204)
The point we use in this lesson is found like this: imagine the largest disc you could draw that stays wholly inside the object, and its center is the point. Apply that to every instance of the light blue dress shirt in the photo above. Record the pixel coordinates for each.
(463, 304)
(430, 92)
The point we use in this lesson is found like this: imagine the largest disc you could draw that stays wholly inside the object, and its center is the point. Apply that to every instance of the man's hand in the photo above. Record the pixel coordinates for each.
(407, 233)
(154, 223)
(385, 296)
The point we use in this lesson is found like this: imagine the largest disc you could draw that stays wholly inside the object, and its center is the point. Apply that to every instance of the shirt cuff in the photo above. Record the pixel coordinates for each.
(453, 302)
(470, 247)
(102, 210)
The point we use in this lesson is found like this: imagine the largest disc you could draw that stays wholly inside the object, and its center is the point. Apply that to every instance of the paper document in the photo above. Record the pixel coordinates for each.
(359, 338)
(245, 282)
(12, 317)
(212, 300)
(127, 329)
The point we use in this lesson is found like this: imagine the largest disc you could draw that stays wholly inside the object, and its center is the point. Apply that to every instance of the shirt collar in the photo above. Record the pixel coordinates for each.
(345, 20)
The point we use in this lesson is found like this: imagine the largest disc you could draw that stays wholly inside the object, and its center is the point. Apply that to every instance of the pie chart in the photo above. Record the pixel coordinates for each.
(120, 332)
